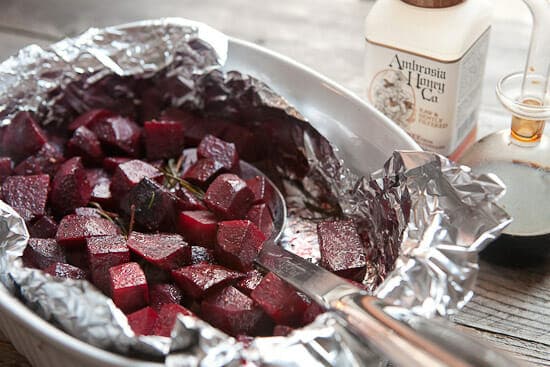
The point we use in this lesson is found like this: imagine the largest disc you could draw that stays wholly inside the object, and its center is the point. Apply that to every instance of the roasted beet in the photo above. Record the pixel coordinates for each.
(128, 174)
(70, 187)
(229, 197)
(234, 312)
(201, 254)
(95, 175)
(163, 139)
(167, 251)
(27, 195)
(103, 253)
(86, 211)
(220, 151)
(89, 118)
(279, 300)
(46, 160)
(312, 311)
(118, 133)
(6, 168)
(74, 229)
(263, 191)
(200, 279)
(260, 215)
(342, 251)
(167, 318)
(101, 193)
(128, 287)
(203, 171)
(143, 321)
(62, 270)
(41, 253)
(45, 227)
(249, 282)
(282, 330)
(187, 200)
(161, 294)
(195, 127)
(77, 256)
(111, 163)
(22, 137)
(198, 227)
(238, 244)
(85, 143)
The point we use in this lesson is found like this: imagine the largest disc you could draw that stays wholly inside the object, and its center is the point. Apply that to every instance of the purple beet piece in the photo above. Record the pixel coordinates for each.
(129, 289)
(85, 143)
(70, 187)
(118, 132)
(200, 279)
(161, 294)
(128, 174)
(163, 139)
(195, 127)
(234, 312)
(167, 251)
(77, 256)
(260, 215)
(238, 244)
(228, 197)
(41, 253)
(201, 254)
(22, 137)
(86, 211)
(101, 193)
(249, 282)
(111, 163)
(282, 330)
(74, 229)
(167, 318)
(103, 253)
(203, 171)
(89, 118)
(46, 160)
(312, 311)
(279, 300)
(198, 227)
(27, 195)
(143, 321)
(187, 200)
(6, 168)
(45, 227)
(220, 151)
(62, 270)
(94, 175)
(263, 191)
(342, 251)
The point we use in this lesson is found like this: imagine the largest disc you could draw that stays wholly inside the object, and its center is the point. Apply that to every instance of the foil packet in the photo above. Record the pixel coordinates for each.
(423, 217)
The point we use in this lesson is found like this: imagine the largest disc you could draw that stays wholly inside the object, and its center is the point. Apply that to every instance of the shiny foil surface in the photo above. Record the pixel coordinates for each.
(424, 219)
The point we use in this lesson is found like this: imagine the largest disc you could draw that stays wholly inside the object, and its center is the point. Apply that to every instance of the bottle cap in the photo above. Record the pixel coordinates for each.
(433, 3)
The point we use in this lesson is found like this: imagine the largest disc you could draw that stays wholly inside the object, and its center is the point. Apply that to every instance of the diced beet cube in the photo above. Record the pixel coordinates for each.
(197, 280)
(44, 227)
(77, 256)
(220, 151)
(167, 251)
(62, 270)
(46, 160)
(201, 254)
(85, 143)
(101, 193)
(41, 253)
(279, 300)
(249, 282)
(111, 163)
(22, 137)
(163, 139)
(195, 127)
(6, 168)
(86, 211)
(282, 330)
(203, 171)
(129, 289)
(103, 253)
(238, 244)
(198, 227)
(161, 294)
(167, 318)
(95, 175)
(262, 189)
(260, 215)
(118, 132)
(27, 194)
(143, 321)
(310, 314)
(74, 229)
(70, 187)
(229, 197)
(127, 175)
(187, 200)
(89, 118)
(234, 312)
(342, 250)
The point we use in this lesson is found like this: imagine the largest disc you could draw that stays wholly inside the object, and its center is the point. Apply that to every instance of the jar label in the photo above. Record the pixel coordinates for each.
(436, 102)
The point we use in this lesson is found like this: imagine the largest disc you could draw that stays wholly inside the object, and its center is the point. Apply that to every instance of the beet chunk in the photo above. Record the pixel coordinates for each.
(195, 127)
(220, 151)
(342, 251)
(86, 144)
(167, 318)
(167, 251)
(203, 171)
(249, 282)
(128, 287)
(101, 193)
(202, 255)
(103, 253)
(111, 163)
(163, 139)
(238, 244)
(128, 174)
(161, 294)
(263, 191)
(46, 160)
(200, 279)
(41, 253)
(86, 211)
(89, 118)
(198, 227)
(6, 168)
(119, 133)
(310, 314)
(70, 187)
(44, 227)
(22, 137)
(282, 330)
(62, 270)
(234, 312)
(229, 197)
(27, 195)
(187, 200)
(260, 215)
(74, 229)
(279, 300)
(143, 321)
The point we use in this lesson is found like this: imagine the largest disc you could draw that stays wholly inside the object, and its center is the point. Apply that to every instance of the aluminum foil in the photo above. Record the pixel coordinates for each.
(424, 219)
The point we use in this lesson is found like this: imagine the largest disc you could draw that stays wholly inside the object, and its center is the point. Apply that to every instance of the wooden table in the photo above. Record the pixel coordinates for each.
(511, 307)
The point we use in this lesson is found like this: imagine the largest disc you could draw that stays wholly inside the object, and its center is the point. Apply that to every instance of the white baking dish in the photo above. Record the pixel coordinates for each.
(354, 124)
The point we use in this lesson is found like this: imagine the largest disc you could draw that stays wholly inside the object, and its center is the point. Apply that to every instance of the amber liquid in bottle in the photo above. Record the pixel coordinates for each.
(527, 131)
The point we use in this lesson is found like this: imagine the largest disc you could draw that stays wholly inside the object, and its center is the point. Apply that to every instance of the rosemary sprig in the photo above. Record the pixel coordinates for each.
(172, 175)
(110, 216)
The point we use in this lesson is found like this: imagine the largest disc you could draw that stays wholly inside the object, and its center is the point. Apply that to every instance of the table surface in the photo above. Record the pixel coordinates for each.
(511, 306)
